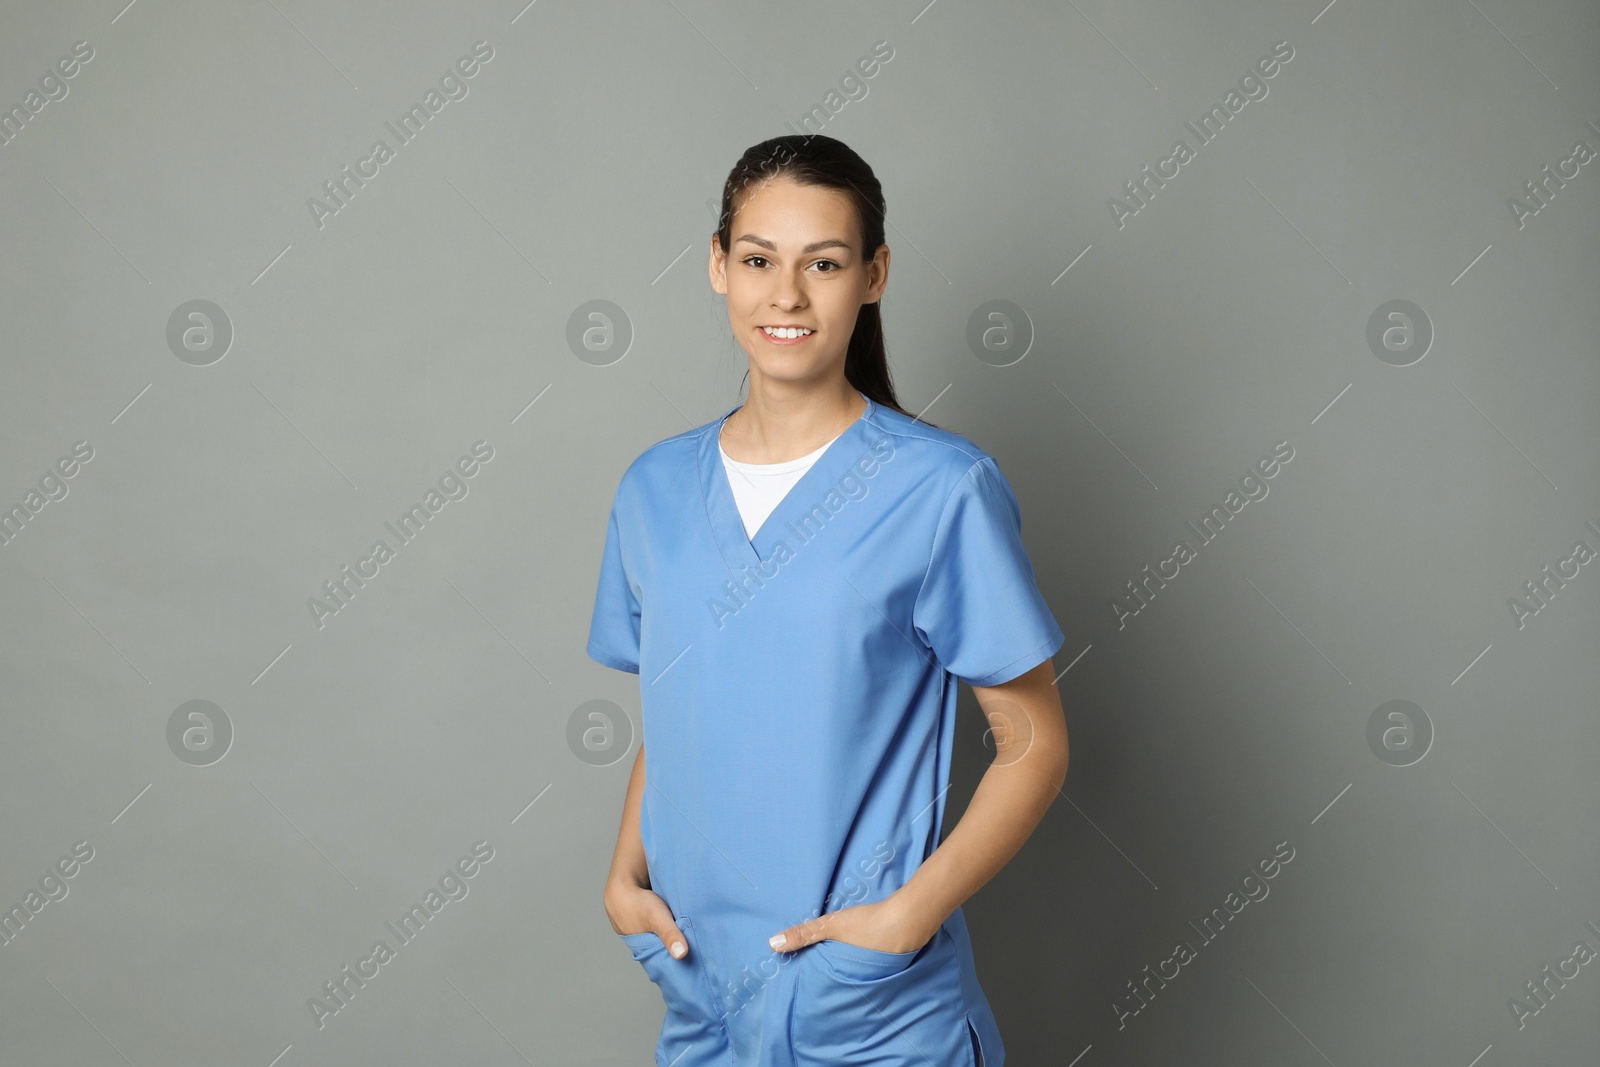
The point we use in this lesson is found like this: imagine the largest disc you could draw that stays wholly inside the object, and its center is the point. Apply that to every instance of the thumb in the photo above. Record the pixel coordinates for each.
(796, 937)
(671, 936)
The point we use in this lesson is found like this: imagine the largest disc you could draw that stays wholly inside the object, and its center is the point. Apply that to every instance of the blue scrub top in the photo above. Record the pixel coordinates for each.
(798, 691)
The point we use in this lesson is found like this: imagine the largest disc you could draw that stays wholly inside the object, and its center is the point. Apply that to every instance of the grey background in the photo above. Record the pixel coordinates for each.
(432, 712)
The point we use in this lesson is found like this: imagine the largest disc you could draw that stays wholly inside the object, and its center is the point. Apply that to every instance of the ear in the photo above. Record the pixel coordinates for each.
(878, 274)
(717, 266)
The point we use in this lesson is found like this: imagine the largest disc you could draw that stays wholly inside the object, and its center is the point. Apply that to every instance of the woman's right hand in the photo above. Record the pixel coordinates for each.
(634, 909)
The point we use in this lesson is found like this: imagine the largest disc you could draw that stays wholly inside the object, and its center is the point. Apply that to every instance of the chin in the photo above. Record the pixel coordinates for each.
(788, 370)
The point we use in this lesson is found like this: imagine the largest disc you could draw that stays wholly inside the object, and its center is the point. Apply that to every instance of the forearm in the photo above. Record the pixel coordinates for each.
(1015, 792)
(627, 859)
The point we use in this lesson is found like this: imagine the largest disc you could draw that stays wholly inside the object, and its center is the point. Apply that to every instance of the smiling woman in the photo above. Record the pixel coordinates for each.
(818, 727)
(801, 314)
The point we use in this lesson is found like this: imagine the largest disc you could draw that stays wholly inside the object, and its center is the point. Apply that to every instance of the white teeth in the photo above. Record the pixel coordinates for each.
(790, 332)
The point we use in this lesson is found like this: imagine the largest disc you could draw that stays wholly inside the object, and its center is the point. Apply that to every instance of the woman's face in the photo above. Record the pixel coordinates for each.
(794, 261)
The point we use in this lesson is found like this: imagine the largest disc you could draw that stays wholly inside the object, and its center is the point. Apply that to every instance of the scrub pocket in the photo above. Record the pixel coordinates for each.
(860, 1006)
(691, 1031)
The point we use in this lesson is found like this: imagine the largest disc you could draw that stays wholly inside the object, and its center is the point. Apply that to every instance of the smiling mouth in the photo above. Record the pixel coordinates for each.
(786, 333)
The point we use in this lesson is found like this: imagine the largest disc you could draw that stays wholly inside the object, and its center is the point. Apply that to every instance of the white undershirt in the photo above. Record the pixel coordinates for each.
(758, 488)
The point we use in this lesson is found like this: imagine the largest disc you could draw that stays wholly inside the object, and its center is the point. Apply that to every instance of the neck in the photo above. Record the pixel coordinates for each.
(774, 429)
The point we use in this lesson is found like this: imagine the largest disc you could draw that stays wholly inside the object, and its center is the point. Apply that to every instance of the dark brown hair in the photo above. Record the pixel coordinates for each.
(812, 159)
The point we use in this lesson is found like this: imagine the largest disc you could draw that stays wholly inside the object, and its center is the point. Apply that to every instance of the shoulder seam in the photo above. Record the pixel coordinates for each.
(686, 435)
(974, 452)
(695, 431)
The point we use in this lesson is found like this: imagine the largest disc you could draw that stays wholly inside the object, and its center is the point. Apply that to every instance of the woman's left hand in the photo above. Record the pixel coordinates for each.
(884, 925)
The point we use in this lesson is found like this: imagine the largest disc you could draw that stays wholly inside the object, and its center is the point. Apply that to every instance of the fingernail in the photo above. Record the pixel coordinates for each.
(677, 950)
(777, 941)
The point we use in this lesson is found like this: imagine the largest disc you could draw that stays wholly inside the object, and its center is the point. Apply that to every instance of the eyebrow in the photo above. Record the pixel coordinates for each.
(815, 246)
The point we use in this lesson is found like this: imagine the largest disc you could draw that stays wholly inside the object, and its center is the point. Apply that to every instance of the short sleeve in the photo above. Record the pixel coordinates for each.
(979, 608)
(614, 627)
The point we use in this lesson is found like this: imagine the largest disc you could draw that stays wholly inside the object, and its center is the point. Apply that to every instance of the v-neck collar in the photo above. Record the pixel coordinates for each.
(739, 550)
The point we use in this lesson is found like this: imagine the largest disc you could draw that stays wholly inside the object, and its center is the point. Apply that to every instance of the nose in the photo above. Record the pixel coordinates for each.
(788, 293)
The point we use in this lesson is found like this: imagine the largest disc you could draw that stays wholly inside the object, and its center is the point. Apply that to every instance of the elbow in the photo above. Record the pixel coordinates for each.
(1058, 774)
(1059, 758)
(1046, 766)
